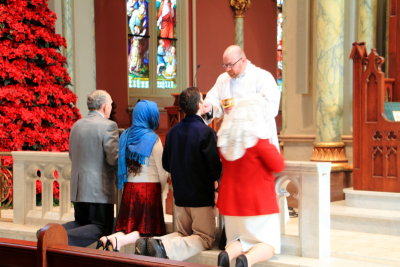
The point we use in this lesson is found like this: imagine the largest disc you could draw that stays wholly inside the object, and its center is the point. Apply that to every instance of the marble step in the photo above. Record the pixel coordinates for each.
(380, 221)
(210, 257)
(372, 199)
(18, 231)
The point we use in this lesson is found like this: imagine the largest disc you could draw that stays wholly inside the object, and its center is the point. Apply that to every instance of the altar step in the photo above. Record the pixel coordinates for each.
(353, 249)
(210, 257)
(18, 231)
(347, 258)
(367, 211)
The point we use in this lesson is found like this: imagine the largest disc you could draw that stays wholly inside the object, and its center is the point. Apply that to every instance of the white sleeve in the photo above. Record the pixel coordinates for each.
(213, 97)
(269, 91)
(157, 153)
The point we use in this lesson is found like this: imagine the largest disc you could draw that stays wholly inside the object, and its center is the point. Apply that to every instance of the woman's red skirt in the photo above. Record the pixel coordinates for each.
(141, 210)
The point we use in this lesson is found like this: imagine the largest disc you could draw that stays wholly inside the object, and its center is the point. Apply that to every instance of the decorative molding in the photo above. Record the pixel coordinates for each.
(308, 138)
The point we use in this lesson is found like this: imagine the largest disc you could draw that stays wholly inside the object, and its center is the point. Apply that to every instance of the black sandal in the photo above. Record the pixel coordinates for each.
(100, 245)
(109, 246)
(292, 212)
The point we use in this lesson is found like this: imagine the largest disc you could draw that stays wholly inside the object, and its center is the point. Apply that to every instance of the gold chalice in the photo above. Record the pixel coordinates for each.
(227, 102)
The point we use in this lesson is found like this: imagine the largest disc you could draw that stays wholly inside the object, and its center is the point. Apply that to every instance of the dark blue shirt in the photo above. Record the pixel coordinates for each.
(191, 156)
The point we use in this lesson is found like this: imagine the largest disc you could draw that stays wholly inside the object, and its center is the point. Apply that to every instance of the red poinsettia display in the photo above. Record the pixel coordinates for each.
(37, 109)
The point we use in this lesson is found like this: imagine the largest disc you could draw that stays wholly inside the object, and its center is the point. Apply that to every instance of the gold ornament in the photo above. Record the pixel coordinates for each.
(240, 7)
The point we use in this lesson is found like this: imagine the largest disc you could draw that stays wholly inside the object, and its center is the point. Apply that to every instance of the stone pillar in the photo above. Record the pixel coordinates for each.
(329, 69)
(328, 83)
(239, 7)
(366, 27)
(67, 25)
(239, 28)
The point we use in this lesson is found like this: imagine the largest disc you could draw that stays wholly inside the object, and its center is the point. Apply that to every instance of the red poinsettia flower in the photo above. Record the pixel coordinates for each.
(37, 109)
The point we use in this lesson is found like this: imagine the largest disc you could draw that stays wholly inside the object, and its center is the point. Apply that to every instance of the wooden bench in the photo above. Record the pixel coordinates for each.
(15, 253)
(52, 250)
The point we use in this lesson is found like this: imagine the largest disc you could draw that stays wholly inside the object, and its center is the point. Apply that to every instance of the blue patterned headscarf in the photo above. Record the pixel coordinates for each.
(136, 142)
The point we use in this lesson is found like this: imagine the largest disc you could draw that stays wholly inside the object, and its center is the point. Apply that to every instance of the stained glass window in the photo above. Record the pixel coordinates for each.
(138, 43)
(166, 64)
(152, 44)
(279, 44)
(166, 49)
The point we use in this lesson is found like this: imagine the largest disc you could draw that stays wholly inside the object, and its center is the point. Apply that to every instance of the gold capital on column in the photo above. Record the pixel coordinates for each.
(333, 152)
(240, 7)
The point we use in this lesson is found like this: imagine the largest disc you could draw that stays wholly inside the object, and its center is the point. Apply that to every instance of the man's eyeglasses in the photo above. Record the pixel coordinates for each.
(230, 65)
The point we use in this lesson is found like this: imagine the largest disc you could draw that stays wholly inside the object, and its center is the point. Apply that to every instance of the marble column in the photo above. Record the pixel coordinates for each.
(239, 31)
(67, 25)
(366, 26)
(239, 7)
(328, 81)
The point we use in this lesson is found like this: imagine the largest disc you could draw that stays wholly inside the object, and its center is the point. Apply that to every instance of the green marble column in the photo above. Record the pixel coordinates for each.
(67, 22)
(366, 27)
(239, 31)
(329, 70)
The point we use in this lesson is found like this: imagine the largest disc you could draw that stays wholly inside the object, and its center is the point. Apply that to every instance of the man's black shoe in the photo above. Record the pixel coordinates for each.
(141, 247)
(223, 259)
(156, 248)
(241, 261)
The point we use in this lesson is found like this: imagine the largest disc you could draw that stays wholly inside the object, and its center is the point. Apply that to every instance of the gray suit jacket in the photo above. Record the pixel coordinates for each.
(93, 150)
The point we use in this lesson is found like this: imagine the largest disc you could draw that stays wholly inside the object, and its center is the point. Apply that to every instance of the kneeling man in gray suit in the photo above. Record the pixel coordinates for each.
(93, 150)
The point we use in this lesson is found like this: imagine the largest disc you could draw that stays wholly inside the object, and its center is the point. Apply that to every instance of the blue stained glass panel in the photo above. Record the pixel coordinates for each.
(138, 43)
(166, 64)
(138, 62)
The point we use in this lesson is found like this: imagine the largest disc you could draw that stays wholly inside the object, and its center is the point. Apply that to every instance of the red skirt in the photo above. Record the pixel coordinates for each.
(141, 210)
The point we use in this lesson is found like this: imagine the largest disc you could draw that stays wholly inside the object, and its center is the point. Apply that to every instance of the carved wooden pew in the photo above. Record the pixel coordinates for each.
(16, 253)
(52, 250)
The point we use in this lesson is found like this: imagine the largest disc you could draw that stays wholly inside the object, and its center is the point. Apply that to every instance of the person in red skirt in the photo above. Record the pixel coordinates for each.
(191, 156)
(143, 178)
(247, 197)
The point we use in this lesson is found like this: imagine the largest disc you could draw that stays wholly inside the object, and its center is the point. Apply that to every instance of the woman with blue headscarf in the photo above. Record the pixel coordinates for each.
(142, 176)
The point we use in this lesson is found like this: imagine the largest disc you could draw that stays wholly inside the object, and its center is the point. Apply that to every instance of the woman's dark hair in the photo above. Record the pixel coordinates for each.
(134, 167)
(189, 100)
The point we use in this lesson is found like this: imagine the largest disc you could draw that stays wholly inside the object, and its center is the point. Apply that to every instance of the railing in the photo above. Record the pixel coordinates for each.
(312, 180)
(30, 166)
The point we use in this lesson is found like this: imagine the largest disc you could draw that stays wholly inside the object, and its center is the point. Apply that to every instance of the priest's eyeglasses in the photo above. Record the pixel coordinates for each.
(230, 65)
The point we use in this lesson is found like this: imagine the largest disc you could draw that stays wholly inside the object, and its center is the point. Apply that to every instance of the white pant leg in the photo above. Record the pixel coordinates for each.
(168, 236)
(181, 248)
